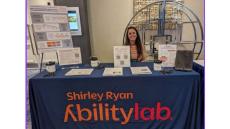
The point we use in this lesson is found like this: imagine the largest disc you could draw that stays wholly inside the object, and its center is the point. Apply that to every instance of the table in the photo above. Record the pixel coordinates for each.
(155, 101)
(198, 66)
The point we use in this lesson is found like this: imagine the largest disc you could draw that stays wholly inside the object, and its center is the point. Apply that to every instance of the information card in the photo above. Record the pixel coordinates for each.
(121, 55)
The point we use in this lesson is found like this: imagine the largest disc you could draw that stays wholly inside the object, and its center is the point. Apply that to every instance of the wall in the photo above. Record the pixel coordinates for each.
(108, 19)
(197, 6)
(107, 22)
(82, 41)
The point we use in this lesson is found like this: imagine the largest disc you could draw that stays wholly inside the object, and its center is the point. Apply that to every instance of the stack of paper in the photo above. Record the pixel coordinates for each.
(73, 72)
(113, 72)
(140, 70)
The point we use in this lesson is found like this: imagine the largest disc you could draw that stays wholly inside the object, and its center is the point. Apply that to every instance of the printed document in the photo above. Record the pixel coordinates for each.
(140, 70)
(113, 72)
(73, 72)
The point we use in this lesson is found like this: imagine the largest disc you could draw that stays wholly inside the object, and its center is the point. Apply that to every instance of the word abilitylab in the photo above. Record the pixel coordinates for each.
(105, 112)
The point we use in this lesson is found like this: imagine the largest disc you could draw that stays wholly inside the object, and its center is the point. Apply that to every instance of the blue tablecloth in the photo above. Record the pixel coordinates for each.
(155, 101)
(200, 69)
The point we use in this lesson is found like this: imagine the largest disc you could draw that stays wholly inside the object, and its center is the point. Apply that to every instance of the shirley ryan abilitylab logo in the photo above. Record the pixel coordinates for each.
(104, 112)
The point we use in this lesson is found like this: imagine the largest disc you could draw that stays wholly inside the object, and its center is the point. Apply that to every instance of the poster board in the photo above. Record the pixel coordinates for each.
(51, 28)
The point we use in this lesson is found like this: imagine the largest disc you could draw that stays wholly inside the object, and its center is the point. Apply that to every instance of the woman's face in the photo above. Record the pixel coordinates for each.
(132, 35)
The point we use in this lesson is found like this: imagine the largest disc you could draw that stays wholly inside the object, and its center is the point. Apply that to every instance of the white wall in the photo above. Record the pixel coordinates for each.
(107, 20)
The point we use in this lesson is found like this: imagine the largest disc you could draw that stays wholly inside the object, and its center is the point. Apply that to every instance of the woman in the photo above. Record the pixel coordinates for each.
(137, 51)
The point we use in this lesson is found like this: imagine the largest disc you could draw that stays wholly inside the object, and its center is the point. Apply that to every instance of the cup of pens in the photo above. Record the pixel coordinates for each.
(157, 65)
(94, 62)
(50, 68)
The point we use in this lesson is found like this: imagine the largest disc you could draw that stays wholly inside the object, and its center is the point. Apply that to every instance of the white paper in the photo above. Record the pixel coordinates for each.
(58, 35)
(167, 53)
(49, 44)
(69, 56)
(53, 18)
(140, 70)
(73, 72)
(113, 72)
(121, 55)
(200, 62)
(46, 27)
(48, 9)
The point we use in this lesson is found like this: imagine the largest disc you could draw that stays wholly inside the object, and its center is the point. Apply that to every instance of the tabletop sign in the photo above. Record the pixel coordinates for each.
(167, 54)
(68, 56)
(121, 55)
